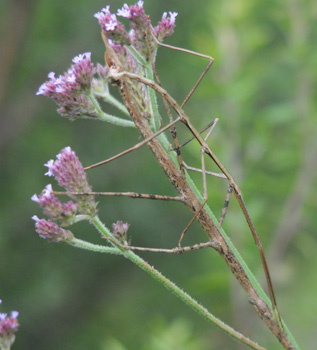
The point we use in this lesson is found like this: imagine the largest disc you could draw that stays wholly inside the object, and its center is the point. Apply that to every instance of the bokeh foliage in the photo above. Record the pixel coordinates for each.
(261, 86)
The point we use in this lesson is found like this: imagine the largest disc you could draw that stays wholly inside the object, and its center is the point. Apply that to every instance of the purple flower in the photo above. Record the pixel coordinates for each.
(120, 230)
(70, 174)
(114, 29)
(132, 12)
(68, 171)
(8, 326)
(140, 27)
(124, 12)
(52, 207)
(51, 231)
(139, 24)
(166, 26)
(71, 89)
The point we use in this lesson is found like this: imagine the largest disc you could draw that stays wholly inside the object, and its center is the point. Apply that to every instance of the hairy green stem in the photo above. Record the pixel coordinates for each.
(79, 243)
(186, 298)
(108, 117)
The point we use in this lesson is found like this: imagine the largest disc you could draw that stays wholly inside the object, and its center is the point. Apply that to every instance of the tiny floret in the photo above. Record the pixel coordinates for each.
(49, 164)
(35, 198)
(124, 12)
(14, 314)
(35, 218)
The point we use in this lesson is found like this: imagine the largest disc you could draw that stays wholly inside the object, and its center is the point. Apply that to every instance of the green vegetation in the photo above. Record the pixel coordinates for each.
(261, 86)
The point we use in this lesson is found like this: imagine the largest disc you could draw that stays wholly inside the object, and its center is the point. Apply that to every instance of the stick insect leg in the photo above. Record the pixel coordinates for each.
(179, 249)
(202, 153)
(221, 175)
(123, 194)
(190, 222)
(225, 206)
(211, 60)
(135, 147)
(230, 186)
(176, 250)
(193, 137)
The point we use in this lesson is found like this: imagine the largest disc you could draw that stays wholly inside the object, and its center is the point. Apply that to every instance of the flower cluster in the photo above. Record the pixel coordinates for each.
(70, 174)
(50, 230)
(71, 90)
(75, 90)
(52, 207)
(8, 326)
(140, 27)
(166, 26)
(113, 28)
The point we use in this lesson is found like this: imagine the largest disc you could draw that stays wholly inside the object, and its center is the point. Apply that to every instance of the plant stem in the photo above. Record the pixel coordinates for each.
(186, 298)
(108, 117)
(79, 243)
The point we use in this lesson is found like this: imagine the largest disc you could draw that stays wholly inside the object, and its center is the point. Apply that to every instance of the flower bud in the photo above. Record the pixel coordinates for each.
(120, 230)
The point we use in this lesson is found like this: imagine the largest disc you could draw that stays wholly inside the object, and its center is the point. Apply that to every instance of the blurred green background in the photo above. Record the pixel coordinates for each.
(262, 86)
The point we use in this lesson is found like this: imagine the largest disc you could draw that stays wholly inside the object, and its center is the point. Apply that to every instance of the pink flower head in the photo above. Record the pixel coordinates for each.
(52, 207)
(107, 20)
(51, 231)
(71, 83)
(166, 26)
(115, 30)
(132, 12)
(70, 90)
(120, 230)
(70, 174)
(82, 71)
(8, 326)
(69, 171)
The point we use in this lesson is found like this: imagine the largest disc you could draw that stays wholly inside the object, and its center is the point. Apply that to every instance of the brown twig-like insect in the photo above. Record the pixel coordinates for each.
(186, 195)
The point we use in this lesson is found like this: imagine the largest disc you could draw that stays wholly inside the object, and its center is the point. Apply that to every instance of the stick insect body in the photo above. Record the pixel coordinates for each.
(205, 148)
(120, 76)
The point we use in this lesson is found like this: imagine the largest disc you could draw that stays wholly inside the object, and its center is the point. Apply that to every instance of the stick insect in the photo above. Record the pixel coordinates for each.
(121, 77)
(205, 149)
